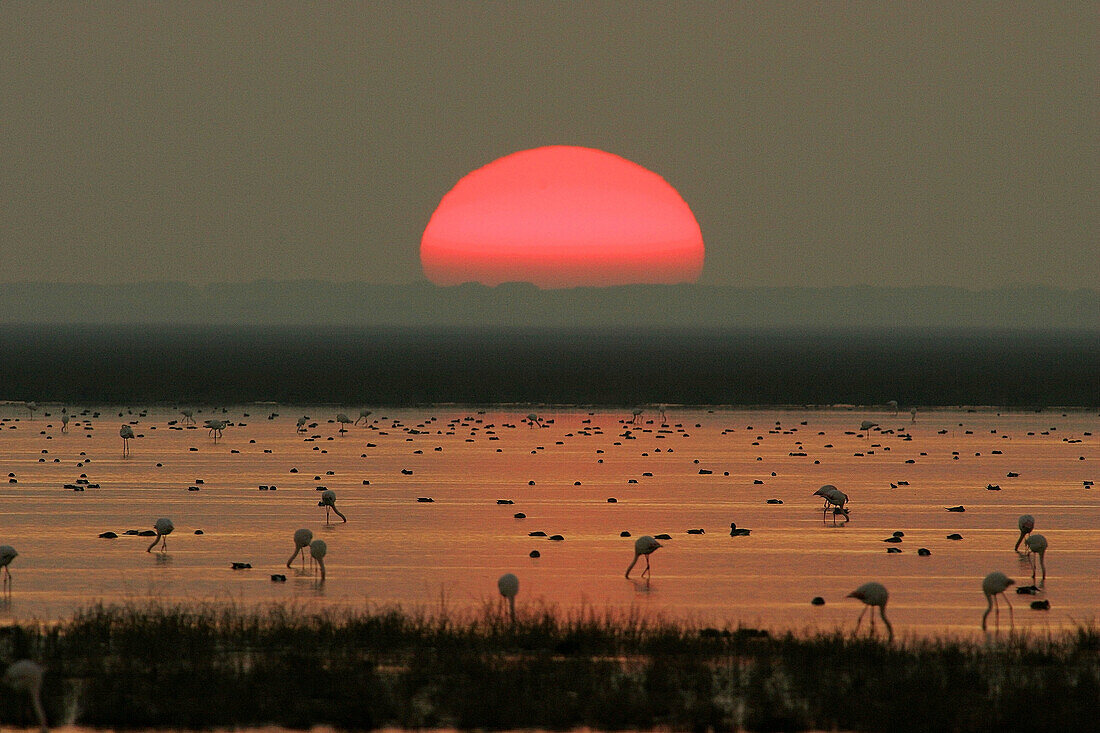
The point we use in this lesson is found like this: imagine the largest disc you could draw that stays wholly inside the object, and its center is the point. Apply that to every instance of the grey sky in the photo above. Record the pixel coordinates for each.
(817, 144)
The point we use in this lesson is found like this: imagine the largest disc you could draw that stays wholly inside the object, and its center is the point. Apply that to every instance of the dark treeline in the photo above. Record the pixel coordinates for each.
(203, 668)
(352, 366)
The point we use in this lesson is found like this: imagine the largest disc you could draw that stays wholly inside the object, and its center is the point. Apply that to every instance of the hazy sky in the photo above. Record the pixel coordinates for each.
(818, 144)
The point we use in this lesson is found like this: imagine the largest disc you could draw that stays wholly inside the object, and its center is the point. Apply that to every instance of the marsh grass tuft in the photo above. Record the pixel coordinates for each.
(220, 666)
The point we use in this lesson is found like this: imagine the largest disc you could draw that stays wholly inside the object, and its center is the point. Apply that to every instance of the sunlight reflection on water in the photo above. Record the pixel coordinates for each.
(447, 554)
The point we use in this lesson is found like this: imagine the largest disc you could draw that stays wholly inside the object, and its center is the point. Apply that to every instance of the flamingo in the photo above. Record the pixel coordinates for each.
(126, 433)
(873, 594)
(188, 416)
(644, 545)
(26, 676)
(866, 425)
(913, 415)
(31, 407)
(343, 420)
(65, 422)
(215, 427)
(302, 538)
(893, 405)
(302, 424)
(993, 585)
(7, 554)
(1037, 545)
(317, 550)
(1026, 523)
(328, 501)
(363, 415)
(836, 498)
(164, 527)
(508, 585)
(533, 420)
(635, 414)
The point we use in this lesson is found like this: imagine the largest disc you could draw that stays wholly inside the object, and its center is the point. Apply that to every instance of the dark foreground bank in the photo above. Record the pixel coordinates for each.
(216, 667)
(134, 365)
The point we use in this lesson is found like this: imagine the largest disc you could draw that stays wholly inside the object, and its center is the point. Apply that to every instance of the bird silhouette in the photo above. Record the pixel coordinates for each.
(7, 554)
(127, 434)
(188, 416)
(508, 585)
(65, 418)
(1026, 523)
(993, 585)
(1037, 545)
(344, 421)
(164, 527)
(873, 594)
(836, 499)
(636, 415)
(328, 501)
(26, 676)
(302, 538)
(302, 424)
(644, 545)
(215, 427)
(317, 550)
(363, 415)
(533, 420)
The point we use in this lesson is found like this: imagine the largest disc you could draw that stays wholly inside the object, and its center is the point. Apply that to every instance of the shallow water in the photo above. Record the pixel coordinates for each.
(448, 554)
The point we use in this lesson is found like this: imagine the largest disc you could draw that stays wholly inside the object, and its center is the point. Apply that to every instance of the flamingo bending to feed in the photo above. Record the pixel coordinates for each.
(344, 421)
(7, 554)
(993, 585)
(1037, 545)
(508, 585)
(317, 550)
(1026, 523)
(328, 501)
(363, 415)
(164, 527)
(302, 538)
(644, 545)
(837, 499)
(873, 594)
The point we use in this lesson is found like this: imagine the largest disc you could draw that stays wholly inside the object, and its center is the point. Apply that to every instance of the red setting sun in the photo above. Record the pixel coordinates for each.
(561, 217)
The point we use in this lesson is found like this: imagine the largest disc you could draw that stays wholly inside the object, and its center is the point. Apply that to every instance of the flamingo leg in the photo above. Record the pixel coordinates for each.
(296, 551)
(889, 628)
(1043, 564)
(339, 514)
(512, 608)
(1011, 621)
(646, 571)
(860, 619)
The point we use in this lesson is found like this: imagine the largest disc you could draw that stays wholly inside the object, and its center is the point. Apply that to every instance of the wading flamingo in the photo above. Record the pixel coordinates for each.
(835, 498)
(65, 422)
(164, 527)
(328, 501)
(302, 538)
(635, 415)
(873, 594)
(188, 416)
(344, 421)
(1037, 545)
(993, 585)
(644, 545)
(317, 550)
(508, 585)
(363, 415)
(26, 676)
(302, 424)
(7, 554)
(1026, 523)
(533, 420)
(215, 427)
(127, 434)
